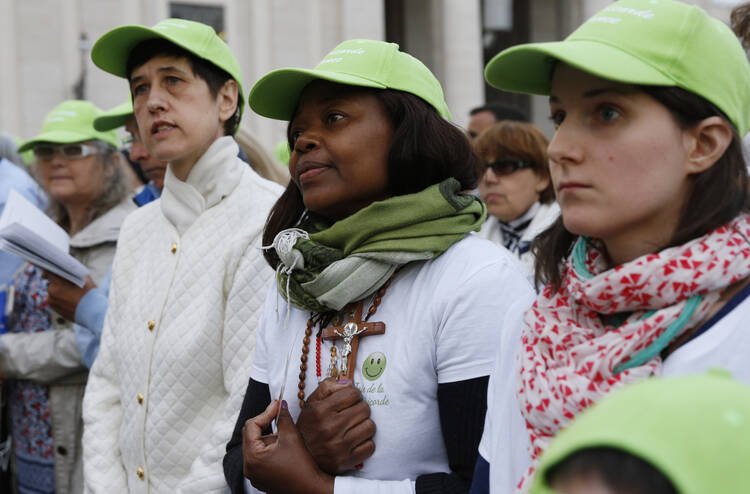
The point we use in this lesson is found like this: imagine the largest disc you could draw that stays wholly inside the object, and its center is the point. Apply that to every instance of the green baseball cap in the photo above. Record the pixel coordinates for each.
(693, 429)
(27, 155)
(645, 42)
(282, 152)
(110, 52)
(71, 121)
(356, 62)
(115, 117)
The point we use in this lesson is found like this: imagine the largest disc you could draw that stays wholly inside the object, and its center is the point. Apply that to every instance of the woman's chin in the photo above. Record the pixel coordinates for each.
(505, 215)
(582, 225)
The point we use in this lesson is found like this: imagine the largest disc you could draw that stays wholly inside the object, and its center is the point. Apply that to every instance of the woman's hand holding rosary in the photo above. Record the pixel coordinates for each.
(280, 463)
(333, 434)
(336, 426)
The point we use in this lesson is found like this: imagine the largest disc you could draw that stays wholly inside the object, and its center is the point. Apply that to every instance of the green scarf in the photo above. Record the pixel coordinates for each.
(352, 258)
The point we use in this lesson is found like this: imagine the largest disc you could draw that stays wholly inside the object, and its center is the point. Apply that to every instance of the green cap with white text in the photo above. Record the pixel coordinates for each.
(693, 429)
(642, 42)
(110, 52)
(114, 117)
(71, 121)
(356, 62)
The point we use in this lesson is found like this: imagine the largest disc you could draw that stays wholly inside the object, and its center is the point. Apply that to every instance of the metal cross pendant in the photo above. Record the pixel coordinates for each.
(350, 333)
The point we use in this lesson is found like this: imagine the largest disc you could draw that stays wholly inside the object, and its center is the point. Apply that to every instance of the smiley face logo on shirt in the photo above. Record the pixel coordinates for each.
(374, 366)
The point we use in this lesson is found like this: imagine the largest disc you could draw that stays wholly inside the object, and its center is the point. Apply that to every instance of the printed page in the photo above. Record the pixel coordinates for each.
(30, 234)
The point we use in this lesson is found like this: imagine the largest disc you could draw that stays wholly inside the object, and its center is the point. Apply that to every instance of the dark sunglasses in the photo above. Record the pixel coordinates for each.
(45, 152)
(507, 166)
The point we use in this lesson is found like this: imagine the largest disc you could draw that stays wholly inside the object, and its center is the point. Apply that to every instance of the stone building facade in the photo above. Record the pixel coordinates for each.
(45, 43)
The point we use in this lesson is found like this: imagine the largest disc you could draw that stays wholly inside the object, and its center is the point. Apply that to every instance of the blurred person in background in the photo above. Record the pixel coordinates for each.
(740, 20)
(79, 168)
(516, 187)
(483, 117)
(13, 176)
(282, 152)
(153, 169)
(259, 159)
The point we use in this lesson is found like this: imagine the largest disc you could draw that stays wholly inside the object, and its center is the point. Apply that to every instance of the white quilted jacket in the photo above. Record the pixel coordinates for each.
(187, 289)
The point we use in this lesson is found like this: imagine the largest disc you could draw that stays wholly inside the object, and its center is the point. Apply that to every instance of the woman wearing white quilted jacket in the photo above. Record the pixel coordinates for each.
(188, 278)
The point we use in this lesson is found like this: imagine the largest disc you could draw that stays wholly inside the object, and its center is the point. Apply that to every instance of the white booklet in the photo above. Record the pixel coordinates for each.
(32, 235)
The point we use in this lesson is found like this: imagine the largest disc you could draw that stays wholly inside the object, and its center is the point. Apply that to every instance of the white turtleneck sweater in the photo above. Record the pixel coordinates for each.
(187, 289)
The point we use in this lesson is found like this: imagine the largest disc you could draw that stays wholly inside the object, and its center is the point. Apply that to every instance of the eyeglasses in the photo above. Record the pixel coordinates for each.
(127, 142)
(129, 139)
(45, 152)
(507, 166)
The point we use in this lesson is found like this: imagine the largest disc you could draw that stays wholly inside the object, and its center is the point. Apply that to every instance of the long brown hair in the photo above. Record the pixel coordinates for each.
(740, 20)
(717, 194)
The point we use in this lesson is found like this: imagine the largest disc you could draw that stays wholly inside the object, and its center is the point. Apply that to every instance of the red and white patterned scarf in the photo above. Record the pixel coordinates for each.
(569, 358)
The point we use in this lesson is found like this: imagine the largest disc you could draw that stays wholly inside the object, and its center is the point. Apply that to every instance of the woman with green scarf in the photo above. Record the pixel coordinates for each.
(386, 311)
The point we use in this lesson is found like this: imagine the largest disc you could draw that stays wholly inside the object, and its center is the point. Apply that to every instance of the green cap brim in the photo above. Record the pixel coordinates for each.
(114, 118)
(59, 137)
(111, 51)
(528, 68)
(277, 94)
(110, 122)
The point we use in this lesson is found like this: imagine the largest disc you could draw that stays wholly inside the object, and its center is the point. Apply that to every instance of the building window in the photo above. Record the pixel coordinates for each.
(505, 23)
(213, 15)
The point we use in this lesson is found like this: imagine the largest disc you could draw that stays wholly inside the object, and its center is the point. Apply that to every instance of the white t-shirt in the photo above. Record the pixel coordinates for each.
(443, 320)
(505, 442)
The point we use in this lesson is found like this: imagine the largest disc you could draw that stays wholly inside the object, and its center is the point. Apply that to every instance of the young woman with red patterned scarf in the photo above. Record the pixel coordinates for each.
(647, 269)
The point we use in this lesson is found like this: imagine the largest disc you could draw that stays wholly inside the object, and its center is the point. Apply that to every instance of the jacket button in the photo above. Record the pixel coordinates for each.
(151, 325)
(173, 248)
(140, 398)
(140, 473)
(62, 450)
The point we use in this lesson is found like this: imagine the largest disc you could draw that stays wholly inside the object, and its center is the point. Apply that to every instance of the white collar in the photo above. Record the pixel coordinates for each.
(213, 177)
(525, 217)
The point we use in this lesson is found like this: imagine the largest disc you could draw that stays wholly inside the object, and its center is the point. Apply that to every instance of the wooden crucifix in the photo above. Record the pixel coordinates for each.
(351, 332)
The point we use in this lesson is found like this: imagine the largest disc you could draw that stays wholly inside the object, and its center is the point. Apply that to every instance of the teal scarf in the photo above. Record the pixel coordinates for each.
(325, 267)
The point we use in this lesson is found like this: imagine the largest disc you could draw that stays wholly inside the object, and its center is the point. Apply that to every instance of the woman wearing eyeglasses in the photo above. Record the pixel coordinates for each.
(40, 360)
(515, 186)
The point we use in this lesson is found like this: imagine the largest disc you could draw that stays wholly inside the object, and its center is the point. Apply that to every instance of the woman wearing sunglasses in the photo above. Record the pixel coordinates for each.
(516, 186)
(79, 168)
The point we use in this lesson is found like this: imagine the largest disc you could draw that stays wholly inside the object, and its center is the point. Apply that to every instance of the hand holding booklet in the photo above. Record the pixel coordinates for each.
(32, 235)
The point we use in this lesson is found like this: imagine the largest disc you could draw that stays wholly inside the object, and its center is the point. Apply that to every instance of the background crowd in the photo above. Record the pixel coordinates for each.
(402, 305)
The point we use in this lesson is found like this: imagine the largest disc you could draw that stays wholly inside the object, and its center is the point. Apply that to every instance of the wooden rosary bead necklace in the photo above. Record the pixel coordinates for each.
(308, 333)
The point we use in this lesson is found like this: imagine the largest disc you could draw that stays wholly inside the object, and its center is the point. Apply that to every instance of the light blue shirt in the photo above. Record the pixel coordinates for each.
(90, 313)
